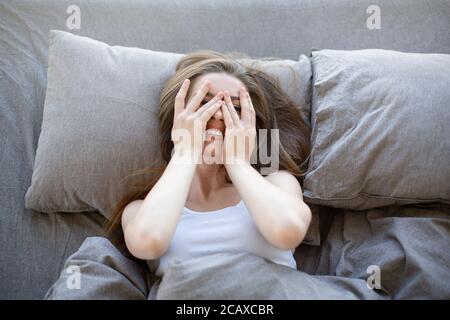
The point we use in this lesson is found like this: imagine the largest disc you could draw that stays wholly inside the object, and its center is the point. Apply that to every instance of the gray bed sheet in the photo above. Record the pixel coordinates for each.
(34, 245)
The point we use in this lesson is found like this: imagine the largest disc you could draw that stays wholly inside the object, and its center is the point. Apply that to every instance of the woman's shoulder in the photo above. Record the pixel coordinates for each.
(287, 181)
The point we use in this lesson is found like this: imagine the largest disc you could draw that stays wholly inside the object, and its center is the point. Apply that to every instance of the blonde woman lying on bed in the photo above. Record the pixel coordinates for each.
(210, 197)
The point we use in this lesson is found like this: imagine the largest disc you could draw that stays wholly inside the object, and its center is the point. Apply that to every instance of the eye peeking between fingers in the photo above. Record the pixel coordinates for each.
(236, 107)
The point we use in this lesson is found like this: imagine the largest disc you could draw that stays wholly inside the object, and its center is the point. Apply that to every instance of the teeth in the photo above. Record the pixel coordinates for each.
(214, 132)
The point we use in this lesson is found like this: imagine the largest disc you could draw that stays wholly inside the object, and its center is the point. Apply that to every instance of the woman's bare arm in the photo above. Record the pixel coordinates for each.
(275, 203)
(149, 232)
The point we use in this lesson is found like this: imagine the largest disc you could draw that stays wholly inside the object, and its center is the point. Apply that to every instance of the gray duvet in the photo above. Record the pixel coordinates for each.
(408, 246)
(106, 274)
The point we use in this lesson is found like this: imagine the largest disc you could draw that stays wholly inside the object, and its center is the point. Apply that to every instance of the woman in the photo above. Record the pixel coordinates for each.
(209, 197)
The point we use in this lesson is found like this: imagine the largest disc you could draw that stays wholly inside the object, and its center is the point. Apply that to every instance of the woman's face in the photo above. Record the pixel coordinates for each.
(215, 127)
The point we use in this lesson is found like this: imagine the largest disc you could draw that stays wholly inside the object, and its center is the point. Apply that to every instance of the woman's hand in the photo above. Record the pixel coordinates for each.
(240, 133)
(189, 121)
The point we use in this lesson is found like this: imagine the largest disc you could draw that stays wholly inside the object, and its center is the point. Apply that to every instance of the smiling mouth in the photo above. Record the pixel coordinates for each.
(215, 128)
(214, 132)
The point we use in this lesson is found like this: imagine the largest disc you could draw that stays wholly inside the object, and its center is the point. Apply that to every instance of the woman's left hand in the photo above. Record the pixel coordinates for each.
(240, 133)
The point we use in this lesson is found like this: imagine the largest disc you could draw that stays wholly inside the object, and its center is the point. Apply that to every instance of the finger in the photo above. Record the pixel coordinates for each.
(227, 117)
(252, 110)
(206, 115)
(231, 109)
(217, 97)
(245, 105)
(198, 97)
(180, 98)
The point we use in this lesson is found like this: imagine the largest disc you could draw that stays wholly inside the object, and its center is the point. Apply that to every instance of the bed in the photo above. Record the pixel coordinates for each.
(409, 243)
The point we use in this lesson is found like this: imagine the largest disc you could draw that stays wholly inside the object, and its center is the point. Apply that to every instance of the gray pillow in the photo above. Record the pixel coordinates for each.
(380, 129)
(100, 119)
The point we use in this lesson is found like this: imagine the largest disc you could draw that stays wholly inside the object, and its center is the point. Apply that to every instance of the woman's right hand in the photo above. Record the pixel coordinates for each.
(189, 123)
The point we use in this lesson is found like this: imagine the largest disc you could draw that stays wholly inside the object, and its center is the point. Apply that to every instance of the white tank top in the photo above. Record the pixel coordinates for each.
(230, 229)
